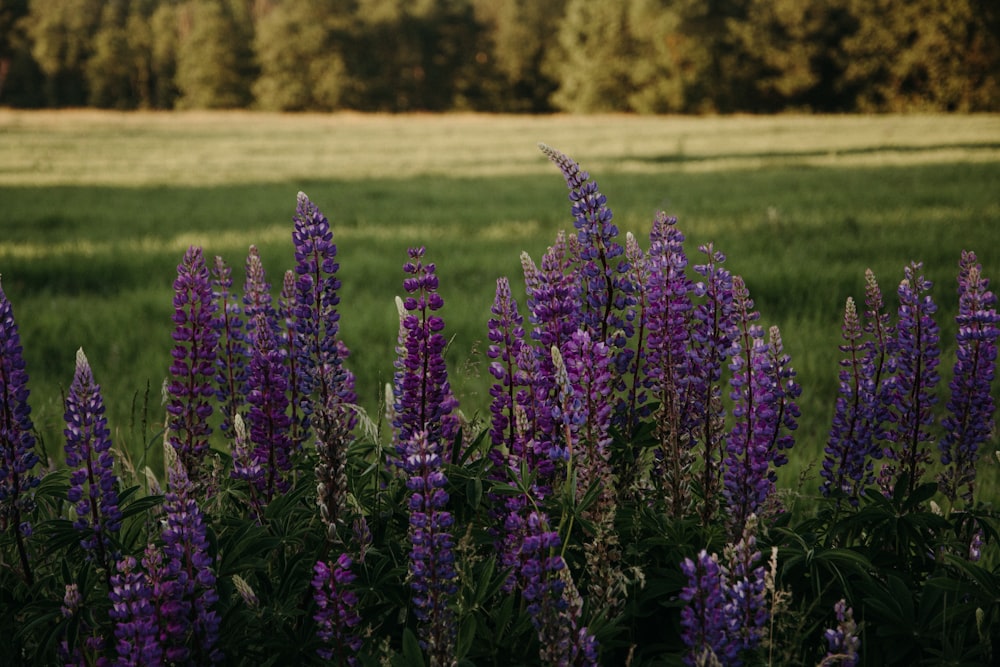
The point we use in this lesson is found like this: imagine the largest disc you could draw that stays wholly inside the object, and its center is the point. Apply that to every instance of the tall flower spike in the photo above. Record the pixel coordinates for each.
(713, 340)
(196, 337)
(506, 336)
(232, 355)
(424, 402)
(188, 589)
(93, 483)
(704, 619)
(17, 444)
(668, 319)
(324, 382)
(257, 294)
(336, 614)
(268, 418)
(969, 423)
(916, 348)
(847, 463)
(608, 294)
(432, 569)
(553, 603)
(134, 614)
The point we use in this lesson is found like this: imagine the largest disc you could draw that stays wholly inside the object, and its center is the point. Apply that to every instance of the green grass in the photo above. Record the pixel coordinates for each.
(96, 211)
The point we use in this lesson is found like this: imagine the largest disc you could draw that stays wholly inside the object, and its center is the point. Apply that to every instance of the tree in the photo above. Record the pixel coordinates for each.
(594, 58)
(213, 57)
(926, 54)
(300, 46)
(109, 70)
(61, 35)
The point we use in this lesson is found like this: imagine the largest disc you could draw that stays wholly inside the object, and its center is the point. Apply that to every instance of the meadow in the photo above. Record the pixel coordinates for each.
(565, 524)
(96, 210)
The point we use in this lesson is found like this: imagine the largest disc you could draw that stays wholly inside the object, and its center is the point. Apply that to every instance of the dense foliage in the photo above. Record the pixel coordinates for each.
(648, 56)
(619, 508)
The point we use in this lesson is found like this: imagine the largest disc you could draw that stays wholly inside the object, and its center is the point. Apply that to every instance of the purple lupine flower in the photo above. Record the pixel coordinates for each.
(668, 319)
(134, 614)
(336, 613)
(746, 464)
(432, 560)
(976, 546)
(607, 293)
(713, 339)
(246, 466)
(257, 298)
(916, 353)
(969, 423)
(423, 398)
(288, 342)
(843, 642)
(785, 391)
(746, 590)
(553, 294)
(506, 336)
(17, 444)
(190, 626)
(88, 453)
(196, 336)
(323, 379)
(553, 603)
(268, 419)
(230, 377)
(587, 364)
(705, 621)
(847, 464)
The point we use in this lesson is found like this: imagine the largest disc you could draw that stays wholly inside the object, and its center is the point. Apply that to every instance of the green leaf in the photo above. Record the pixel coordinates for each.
(411, 649)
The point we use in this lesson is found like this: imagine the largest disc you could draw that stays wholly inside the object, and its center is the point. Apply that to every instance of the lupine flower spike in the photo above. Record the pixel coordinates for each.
(93, 483)
(336, 615)
(17, 444)
(843, 642)
(916, 353)
(969, 423)
(193, 369)
(232, 355)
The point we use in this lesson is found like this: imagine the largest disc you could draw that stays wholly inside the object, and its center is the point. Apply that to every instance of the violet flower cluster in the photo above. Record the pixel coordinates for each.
(843, 642)
(423, 398)
(93, 483)
(133, 609)
(969, 423)
(268, 420)
(17, 443)
(433, 578)
(336, 611)
(196, 337)
(190, 625)
(552, 601)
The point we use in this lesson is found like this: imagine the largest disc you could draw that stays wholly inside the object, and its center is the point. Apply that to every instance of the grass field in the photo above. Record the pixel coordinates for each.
(96, 209)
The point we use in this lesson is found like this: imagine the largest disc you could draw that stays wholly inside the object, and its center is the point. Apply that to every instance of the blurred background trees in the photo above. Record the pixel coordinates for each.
(645, 56)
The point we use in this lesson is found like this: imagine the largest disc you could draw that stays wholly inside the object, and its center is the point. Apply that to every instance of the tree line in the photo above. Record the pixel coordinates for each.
(644, 56)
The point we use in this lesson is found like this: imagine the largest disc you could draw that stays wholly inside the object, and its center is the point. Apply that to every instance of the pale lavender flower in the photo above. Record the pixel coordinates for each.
(93, 483)
(336, 616)
(17, 444)
(745, 588)
(969, 423)
(196, 336)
